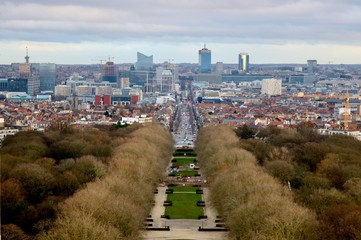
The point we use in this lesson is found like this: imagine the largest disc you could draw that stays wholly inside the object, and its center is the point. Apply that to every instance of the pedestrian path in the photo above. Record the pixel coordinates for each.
(182, 228)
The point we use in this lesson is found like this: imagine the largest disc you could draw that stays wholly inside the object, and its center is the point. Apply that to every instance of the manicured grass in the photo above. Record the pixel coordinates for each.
(184, 206)
(183, 161)
(184, 189)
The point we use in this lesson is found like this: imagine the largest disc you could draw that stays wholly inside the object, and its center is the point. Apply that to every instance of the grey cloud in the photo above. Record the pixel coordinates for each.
(266, 21)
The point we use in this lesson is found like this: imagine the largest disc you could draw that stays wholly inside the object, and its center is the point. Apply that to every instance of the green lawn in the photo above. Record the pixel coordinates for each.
(184, 189)
(183, 161)
(184, 206)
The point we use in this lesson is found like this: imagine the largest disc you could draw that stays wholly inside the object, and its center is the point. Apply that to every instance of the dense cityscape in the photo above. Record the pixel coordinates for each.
(35, 96)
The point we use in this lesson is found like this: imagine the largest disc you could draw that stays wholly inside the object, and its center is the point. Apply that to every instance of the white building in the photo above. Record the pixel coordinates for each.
(166, 77)
(62, 90)
(104, 90)
(219, 68)
(83, 90)
(271, 87)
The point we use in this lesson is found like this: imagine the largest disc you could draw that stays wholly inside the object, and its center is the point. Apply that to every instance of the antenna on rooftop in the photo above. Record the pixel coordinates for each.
(27, 56)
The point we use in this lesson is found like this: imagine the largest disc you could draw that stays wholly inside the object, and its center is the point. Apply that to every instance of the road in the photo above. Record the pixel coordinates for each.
(186, 129)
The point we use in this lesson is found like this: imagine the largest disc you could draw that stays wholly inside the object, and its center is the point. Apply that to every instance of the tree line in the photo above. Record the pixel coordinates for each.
(324, 173)
(53, 183)
(252, 203)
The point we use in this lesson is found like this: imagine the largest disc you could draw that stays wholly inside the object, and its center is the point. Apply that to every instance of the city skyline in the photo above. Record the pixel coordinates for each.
(271, 31)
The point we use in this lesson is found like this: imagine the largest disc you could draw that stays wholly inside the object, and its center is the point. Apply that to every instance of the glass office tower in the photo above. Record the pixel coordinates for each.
(205, 60)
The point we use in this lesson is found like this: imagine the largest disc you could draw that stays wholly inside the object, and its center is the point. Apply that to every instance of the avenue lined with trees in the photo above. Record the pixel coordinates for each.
(273, 184)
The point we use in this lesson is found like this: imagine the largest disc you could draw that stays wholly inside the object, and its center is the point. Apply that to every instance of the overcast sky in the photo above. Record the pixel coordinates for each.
(271, 31)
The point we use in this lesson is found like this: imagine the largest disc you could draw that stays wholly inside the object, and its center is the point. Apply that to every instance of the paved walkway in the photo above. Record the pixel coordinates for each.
(182, 228)
(183, 234)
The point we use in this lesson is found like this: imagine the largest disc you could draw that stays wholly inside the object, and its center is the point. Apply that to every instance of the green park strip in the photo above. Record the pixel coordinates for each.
(184, 206)
(183, 161)
(184, 189)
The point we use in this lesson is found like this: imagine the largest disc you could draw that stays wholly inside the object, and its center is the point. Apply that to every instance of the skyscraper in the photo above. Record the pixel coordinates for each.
(109, 72)
(47, 73)
(311, 66)
(205, 59)
(219, 67)
(243, 62)
(144, 63)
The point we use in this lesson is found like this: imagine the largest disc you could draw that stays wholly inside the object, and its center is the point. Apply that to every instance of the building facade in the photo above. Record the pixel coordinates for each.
(271, 87)
(243, 62)
(205, 59)
(33, 85)
(109, 72)
(312, 66)
(62, 90)
(219, 68)
(144, 63)
(47, 75)
(18, 85)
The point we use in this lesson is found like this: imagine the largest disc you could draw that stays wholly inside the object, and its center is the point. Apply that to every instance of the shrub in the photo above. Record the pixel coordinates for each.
(13, 199)
(353, 189)
(282, 170)
(37, 181)
(87, 168)
(341, 222)
(13, 232)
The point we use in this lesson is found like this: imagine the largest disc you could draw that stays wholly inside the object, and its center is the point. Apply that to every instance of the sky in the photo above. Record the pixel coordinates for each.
(270, 31)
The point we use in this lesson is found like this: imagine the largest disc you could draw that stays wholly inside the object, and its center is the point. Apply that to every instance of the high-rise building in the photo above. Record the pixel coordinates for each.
(24, 70)
(166, 77)
(47, 74)
(312, 66)
(33, 85)
(243, 62)
(144, 63)
(219, 67)
(18, 85)
(271, 87)
(205, 58)
(27, 71)
(109, 72)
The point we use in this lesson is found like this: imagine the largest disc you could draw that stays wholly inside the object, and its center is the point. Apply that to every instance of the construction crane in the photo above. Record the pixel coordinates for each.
(346, 114)
(99, 60)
